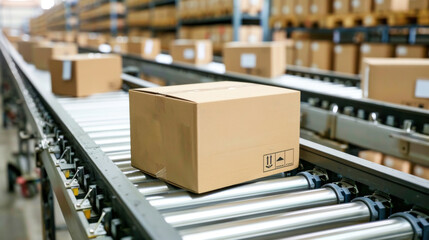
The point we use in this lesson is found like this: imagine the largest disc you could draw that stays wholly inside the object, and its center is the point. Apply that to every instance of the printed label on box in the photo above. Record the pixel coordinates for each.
(285, 10)
(189, 53)
(422, 88)
(67, 70)
(356, 3)
(315, 46)
(338, 49)
(148, 46)
(401, 51)
(298, 9)
(277, 160)
(248, 60)
(379, 1)
(253, 2)
(201, 51)
(365, 48)
(338, 5)
(314, 8)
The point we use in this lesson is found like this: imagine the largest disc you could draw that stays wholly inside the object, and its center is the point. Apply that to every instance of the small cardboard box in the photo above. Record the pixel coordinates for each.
(421, 171)
(145, 47)
(43, 54)
(418, 4)
(265, 59)
(346, 58)
(376, 157)
(85, 74)
(189, 135)
(95, 40)
(192, 51)
(25, 47)
(320, 8)
(411, 51)
(321, 55)
(302, 8)
(391, 5)
(397, 80)
(362, 6)
(302, 53)
(119, 44)
(276, 7)
(341, 6)
(374, 50)
(287, 7)
(397, 163)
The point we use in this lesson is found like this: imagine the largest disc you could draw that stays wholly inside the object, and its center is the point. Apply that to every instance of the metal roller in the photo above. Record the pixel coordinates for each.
(285, 224)
(120, 157)
(261, 188)
(153, 187)
(109, 134)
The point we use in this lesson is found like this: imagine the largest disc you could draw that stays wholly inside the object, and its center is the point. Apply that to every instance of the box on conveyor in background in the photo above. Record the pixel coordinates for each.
(376, 157)
(341, 6)
(411, 51)
(302, 53)
(397, 80)
(82, 39)
(320, 8)
(391, 5)
(95, 40)
(44, 53)
(421, 171)
(321, 55)
(26, 45)
(346, 58)
(192, 51)
(397, 163)
(362, 6)
(85, 74)
(374, 50)
(145, 47)
(68, 36)
(266, 59)
(418, 4)
(189, 135)
(119, 44)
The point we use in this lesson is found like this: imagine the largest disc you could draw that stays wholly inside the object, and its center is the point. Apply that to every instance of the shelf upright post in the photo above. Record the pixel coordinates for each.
(412, 35)
(113, 18)
(67, 16)
(236, 19)
(264, 19)
(178, 19)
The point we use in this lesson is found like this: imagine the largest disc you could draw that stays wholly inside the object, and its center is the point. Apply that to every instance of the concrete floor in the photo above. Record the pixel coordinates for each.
(20, 218)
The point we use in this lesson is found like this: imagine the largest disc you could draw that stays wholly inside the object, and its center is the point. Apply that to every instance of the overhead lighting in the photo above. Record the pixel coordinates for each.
(47, 4)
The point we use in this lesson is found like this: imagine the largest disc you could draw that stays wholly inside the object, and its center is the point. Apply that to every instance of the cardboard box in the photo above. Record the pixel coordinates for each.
(341, 6)
(321, 8)
(85, 74)
(25, 47)
(43, 54)
(145, 47)
(362, 6)
(418, 4)
(265, 59)
(411, 51)
(321, 55)
(397, 163)
(346, 58)
(397, 80)
(189, 135)
(290, 52)
(288, 7)
(421, 171)
(192, 51)
(95, 40)
(302, 53)
(276, 7)
(374, 50)
(302, 7)
(391, 5)
(376, 157)
(119, 44)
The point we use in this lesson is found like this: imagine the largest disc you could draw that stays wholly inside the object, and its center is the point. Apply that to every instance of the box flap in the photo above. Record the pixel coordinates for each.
(85, 56)
(215, 91)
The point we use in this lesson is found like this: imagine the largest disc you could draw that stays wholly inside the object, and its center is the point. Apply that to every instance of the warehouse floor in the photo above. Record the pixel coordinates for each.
(20, 218)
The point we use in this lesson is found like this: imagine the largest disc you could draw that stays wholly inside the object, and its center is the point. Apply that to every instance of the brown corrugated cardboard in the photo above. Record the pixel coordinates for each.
(341, 6)
(418, 4)
(397, 163)
(145, 47)
(346, 58)
(85, 74)
(189, 135)
(302, 53)
(43, 54)
(25, 47)
(320, 8)
(290, 52)
(287, 8)
(265, 59)
(391, 5)
(374, 50)
(192, 51)
(119, 44)
(372, 156)
(401, 81)
(95, 40)
(421, 171)
(362, 6)
(276, 7)
(411, 51)
(321, 55)
(302, 8)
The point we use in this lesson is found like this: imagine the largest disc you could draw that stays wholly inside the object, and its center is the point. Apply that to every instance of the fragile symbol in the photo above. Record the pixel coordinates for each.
(280, 159)
(269, 161)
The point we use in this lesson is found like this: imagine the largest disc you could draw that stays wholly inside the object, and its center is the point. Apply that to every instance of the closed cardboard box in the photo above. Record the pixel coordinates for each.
(341, 6)
(321, 55)
(418, 4)
(276, 7)
(95, 40)
(43, 54)
(421, 171)
(145, 47)
(376, 157)
(362, 6)
(411, 51)
(391, 5)
(302, 53)
(302, 7)
(397, 163)
(192, 51)
(85, 74)
(290, 52)
(25, 47)
(397, 80)
(260, 59)
(288, 7)
(119, 44)
(189, 135)
(321, 8)
(374, 50)
(346, 58)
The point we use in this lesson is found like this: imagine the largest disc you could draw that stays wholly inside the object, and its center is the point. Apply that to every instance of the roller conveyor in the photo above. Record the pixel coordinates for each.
(280, 206)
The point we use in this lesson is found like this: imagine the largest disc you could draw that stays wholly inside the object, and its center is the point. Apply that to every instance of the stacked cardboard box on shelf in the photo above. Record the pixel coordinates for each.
(215, 8)
(144, 47)
(42, 54)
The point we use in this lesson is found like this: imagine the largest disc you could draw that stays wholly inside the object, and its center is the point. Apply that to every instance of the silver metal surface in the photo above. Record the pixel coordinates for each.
(395, 228)
(245, 208)
(285, 224)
